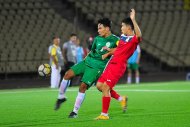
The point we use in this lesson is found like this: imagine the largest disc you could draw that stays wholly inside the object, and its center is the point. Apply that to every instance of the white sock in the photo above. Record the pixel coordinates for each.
(137, 80)
(78, 102)
(120, 98)
(104, 114)
(129, 80)
(63, 88)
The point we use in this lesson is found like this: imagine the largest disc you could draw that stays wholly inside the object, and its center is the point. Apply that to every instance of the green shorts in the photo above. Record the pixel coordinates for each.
(89, 75)
(133, 66)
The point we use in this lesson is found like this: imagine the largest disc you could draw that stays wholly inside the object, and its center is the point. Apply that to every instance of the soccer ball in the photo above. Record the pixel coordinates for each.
(44, 70)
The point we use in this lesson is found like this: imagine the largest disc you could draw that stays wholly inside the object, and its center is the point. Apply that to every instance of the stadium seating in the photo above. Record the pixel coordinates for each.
(164, 24)
(27, 28)
(26, 31)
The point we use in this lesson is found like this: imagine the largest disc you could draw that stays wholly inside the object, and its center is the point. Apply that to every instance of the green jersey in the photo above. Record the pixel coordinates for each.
(94, 58)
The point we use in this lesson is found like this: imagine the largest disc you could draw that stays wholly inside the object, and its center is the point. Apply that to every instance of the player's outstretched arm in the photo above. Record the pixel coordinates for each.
(111, 51)
(136, 27)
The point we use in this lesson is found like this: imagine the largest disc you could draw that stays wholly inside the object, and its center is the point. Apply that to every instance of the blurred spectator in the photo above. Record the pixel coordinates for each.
(133, 64)
(79, 52)
(56, 61)
(89, 42)
(69, 52)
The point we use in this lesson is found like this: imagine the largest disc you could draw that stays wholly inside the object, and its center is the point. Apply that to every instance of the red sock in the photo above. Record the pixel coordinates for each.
(114, 94)
(105, 104)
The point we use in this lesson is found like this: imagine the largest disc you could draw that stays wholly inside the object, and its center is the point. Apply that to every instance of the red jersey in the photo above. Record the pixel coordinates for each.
(126, 47)
(117, 65)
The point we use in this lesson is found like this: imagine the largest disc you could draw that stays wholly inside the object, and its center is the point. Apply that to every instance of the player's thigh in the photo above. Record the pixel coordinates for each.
(79, 68)
(90, 76)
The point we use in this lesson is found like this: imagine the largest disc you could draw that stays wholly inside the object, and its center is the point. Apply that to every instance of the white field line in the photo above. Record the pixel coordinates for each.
(94, 90)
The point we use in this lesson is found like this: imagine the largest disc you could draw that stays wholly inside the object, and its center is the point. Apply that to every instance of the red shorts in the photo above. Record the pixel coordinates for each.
(112, 73)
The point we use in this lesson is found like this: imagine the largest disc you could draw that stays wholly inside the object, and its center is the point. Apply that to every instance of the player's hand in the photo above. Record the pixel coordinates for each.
(104, 56)
(106, 48)
(132, 14)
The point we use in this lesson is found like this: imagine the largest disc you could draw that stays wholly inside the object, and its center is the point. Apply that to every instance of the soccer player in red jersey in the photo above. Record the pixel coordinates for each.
(130, 38)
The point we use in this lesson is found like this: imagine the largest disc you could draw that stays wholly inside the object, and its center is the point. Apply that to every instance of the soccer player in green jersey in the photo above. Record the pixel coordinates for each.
(91, 67)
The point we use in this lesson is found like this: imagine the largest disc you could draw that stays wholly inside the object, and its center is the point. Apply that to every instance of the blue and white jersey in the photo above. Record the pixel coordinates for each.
(126, 38)
(79, 54)
(134, 57)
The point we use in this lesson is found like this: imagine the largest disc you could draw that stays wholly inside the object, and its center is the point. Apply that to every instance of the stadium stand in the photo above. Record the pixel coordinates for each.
(165, 25)
(26, 31)
(27, 28)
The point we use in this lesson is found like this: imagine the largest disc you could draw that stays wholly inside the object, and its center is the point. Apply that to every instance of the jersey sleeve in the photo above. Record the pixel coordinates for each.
(53, 51)
(135, 39)
(49, 50)
(116, 38)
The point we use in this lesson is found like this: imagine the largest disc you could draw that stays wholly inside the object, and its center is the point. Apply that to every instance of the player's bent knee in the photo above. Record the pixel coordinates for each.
(82, 88)
(105, 87)
(69, 74)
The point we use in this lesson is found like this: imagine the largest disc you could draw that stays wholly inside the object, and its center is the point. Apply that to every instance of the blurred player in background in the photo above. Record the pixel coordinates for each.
(133, 64)
(49, 53)
(79, 57)
(79, 52)
(91, 67)
(69, 54)
(56, 61)
(90, 42)
(69, 51)
(130, 38)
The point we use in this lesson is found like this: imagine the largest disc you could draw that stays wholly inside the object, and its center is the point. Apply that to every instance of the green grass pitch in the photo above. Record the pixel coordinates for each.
(164, 104)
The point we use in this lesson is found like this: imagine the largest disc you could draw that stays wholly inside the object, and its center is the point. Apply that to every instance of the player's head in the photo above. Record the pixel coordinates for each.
(73, 37)
(56, 40)
(127, 26)
(104, 27)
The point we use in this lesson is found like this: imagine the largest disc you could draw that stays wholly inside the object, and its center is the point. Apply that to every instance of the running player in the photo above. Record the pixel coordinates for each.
(91, 67)
(130, 38)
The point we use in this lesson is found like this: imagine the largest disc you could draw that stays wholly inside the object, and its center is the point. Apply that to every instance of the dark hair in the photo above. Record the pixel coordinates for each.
(105, 22)
(54, 37)
(128, 21)
(73, 34)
